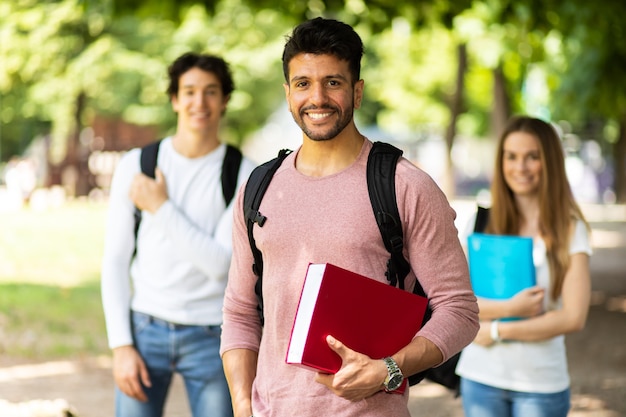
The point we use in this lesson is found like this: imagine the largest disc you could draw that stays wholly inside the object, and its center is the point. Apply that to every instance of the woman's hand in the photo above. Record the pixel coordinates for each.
(527, 303)
(483, 337)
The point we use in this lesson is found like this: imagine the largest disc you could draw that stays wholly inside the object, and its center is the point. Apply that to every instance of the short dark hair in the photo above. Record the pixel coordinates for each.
(321, 36)
(208, 63)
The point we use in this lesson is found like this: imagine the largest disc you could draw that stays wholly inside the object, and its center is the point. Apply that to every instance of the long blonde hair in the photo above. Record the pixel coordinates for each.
(558, 211)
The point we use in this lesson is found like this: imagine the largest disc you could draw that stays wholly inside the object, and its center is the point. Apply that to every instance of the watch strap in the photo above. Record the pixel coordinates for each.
(393, 374)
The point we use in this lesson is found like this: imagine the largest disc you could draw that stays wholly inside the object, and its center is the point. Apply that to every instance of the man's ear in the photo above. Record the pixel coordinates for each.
(287, 91)
(358, 93)
(225, 101)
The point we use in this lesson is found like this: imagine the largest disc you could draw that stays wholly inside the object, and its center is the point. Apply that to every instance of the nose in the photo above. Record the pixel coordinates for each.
(520, 164)
(318, 94)
(199, 99)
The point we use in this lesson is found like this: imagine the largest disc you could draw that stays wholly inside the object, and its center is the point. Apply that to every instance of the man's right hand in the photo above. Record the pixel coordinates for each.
(147, 193)
(130, 372)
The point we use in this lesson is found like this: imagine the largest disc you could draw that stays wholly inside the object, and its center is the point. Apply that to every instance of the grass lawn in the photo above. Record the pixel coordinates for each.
(50, 282)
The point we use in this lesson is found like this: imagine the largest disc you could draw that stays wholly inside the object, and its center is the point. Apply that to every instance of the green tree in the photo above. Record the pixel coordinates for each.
(68, 61)
(38, 40)
(589, 75)
(433, 66)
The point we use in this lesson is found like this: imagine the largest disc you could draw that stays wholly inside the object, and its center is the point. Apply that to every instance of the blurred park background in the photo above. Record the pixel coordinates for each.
(82, 81)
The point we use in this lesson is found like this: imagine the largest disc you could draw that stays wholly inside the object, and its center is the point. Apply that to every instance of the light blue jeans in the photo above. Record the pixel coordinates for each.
(191, 351)
(486, 401)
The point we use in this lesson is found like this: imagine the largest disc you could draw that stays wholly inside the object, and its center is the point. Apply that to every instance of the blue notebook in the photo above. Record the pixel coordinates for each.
(500, 266)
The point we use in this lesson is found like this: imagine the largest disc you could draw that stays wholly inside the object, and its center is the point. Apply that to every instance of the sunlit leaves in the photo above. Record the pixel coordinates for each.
(413, 78)
(115, 53)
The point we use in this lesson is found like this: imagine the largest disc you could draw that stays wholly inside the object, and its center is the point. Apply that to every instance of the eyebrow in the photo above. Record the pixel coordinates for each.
(529, 152)
(327, 77)
(209, 86)
(522, 151)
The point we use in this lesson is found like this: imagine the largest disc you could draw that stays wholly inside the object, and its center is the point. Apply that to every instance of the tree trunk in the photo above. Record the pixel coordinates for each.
(456, 108)
(75, 174)
(71, 157)
(619, 158)
(501, 107)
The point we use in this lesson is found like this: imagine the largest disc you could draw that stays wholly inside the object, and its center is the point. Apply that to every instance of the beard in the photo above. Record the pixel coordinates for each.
(319, 134)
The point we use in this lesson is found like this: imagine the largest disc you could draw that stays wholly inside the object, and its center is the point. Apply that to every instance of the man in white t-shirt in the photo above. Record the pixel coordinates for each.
(163, 303)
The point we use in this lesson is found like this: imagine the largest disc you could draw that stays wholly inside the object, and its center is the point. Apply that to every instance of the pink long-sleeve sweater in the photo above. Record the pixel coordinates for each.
(330, 219)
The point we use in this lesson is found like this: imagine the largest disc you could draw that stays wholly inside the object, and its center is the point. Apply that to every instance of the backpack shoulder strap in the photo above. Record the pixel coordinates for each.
(254, 191)
(381, 184)
(230, 172)
(381, 180)
(147, 163)
(482, 218)
(148, 158)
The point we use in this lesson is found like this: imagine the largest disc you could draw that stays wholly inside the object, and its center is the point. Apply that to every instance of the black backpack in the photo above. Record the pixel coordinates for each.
(230, 172)
(381, 170)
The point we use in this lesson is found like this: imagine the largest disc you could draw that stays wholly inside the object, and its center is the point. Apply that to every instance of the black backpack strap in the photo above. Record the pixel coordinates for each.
(381, 172)
(482, 218)
(147, 162)
(230, 172)
(254, 191)
(148, 158)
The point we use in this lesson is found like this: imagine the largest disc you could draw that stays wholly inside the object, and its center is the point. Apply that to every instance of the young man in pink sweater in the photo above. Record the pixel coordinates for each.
(318, 210)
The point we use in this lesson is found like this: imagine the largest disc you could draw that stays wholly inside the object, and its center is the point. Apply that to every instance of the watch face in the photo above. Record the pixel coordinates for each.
(394, 382)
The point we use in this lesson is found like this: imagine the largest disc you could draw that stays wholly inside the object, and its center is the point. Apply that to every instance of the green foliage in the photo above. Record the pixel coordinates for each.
(251, 41)
(413, 77)
(118, 63)
(115, 54)
(58, 245)
(49, 282)
(479, 98)
(37, 43)
(44, 322)
(593, 58)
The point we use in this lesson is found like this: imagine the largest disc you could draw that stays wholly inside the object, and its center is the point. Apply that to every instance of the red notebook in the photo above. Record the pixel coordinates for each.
(368, 316)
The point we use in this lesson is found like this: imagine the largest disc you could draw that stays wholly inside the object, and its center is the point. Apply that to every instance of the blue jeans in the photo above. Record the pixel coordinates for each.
(191, 351)
(486, 401)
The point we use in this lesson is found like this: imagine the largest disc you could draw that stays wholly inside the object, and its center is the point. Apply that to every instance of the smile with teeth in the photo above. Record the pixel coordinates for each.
(318, 116)
(522, 180)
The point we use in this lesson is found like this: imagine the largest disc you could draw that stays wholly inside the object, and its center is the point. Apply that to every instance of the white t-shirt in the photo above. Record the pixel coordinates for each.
(539, 367)
(183, 250)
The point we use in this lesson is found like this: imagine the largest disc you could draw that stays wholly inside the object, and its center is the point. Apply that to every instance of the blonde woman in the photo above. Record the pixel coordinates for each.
(519, 368)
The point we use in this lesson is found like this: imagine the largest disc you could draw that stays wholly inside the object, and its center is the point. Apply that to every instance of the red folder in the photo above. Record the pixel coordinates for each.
(368, 316)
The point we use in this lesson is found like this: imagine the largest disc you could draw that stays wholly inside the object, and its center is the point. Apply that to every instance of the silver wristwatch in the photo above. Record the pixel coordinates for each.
(394, 375)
